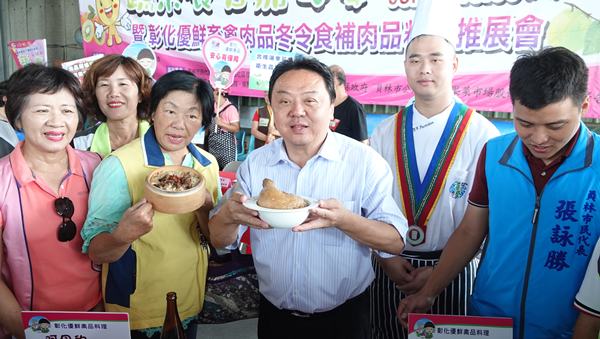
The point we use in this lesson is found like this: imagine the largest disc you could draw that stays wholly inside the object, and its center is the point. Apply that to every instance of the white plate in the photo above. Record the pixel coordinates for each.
(282, 218)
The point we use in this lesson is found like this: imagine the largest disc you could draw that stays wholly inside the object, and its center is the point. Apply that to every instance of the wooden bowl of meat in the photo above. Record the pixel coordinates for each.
(175, 189)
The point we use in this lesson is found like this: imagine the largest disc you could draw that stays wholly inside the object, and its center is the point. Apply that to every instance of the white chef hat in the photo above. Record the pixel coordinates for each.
(437, 17)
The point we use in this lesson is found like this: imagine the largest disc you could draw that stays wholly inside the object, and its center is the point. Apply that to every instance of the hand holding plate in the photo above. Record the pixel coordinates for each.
(330, 213)
(238, 213)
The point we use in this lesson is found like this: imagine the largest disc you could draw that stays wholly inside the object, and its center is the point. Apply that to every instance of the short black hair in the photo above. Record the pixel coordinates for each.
(428, 324)
(538, 79)
(226, 68)
(187, 82)
(3, 91)
(300, 62)
(35, 78)
(43, 321)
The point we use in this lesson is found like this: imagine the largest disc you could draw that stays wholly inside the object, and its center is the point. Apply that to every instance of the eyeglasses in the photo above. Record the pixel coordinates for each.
(64, 208)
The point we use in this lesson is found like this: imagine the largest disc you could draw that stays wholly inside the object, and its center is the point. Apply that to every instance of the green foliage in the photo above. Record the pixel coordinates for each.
(592, 39)
(568, 29)
(92, 12)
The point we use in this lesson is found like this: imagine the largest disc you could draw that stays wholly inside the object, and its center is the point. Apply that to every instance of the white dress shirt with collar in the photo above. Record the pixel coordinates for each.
(318, 270)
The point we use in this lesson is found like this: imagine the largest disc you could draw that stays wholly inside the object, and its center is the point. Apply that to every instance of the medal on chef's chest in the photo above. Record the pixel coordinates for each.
(416, 235)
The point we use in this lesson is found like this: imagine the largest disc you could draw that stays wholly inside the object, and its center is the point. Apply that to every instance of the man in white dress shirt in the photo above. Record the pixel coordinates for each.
(314, 278)
(587, 300)
(432, 147)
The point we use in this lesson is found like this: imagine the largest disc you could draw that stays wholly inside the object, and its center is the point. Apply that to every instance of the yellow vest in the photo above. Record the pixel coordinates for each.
(171, 257)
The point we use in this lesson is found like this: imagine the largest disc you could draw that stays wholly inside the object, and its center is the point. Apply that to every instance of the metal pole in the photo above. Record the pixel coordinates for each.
(4, 50)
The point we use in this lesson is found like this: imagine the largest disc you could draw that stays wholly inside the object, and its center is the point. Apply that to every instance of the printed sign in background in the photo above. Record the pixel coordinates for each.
(224, 58)
(142, 54)
(429, 326)
(80, 66)
(366, 37)
(29, 51)
(262, 63)
(75, 325)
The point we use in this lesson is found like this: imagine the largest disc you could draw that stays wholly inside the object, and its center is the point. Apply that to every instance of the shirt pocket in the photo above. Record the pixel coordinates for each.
(332, 236)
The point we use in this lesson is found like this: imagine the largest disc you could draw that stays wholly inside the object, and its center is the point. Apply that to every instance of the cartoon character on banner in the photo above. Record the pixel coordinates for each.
(44, 325)
(143, 54)
(223, 57)
(222, 73)
(108, 11)
(146, 58)
(424, 328)
(39, 324)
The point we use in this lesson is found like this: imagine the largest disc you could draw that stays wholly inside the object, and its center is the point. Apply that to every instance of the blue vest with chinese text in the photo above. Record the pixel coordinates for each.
(538, 247)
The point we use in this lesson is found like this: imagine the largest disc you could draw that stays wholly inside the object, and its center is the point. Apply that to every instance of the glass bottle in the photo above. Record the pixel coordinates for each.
(172, 328)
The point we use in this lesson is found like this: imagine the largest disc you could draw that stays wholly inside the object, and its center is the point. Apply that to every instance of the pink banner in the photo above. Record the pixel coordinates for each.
(75, 325)
(484, 92)
(176, 61)
(367, 38)
(458, 327)
(29, 51)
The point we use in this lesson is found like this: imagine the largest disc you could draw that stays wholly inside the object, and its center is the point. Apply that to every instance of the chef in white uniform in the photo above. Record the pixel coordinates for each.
(432, 147)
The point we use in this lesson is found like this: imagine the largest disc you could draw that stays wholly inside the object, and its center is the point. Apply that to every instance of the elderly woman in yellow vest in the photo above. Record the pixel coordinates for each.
(146, 254)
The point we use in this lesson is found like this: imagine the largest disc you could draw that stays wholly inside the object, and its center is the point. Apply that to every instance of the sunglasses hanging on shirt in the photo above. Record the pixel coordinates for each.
(64, 208)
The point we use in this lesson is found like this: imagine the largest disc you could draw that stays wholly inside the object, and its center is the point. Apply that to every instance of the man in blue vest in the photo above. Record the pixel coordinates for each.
(533, 202)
